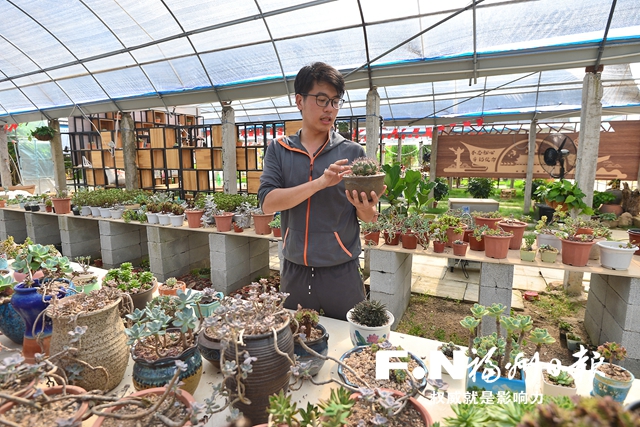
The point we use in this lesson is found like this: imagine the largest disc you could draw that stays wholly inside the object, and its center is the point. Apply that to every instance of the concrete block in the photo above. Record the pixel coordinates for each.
(594, 308)
(133, 254)
(84, 248)
(197, 240)
(592, 327)
(258, 246)
(598, 288)
(628, 288)
(631, 340)
(43, 228)
(259, 263)
(496, 276)
(611, 330)
(626, 315)
(226, 242)
(393, 281)
(632, 364)
(388, 262)
(13, 223)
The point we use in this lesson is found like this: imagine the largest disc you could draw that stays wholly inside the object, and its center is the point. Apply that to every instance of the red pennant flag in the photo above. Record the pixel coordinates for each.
(440, 128)
(429, 132)
(250, 132)
(280, 131)
(416, 131)
(480, 121)
(242, 133)
(452, 125)
(467, 123)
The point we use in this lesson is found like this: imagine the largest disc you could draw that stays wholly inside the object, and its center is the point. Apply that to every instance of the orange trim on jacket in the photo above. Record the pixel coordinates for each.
(340, 243)
(311, 160)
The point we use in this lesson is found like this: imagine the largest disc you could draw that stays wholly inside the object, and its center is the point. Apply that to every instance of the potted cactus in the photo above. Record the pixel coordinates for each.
(369, 321)
(365, 177)
(171, 286)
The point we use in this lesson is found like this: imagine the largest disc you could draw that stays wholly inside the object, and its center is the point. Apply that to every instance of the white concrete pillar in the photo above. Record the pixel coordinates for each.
(530, 157)
(434, 157)
(373, 122)
(5, 165)
(589, 141)
(229, 170)
(129, 152)
(59, 174)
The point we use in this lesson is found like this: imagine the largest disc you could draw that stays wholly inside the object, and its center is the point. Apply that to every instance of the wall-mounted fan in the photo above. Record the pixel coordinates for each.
(557, 155)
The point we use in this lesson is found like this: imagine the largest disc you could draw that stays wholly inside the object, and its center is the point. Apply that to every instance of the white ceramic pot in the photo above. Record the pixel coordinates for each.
(95, 211)
(163, 219)
(117, 213)
(105, 212)
(615, 257)
(367, 335)
(85, 211)
(176, 220)
(549, 389)
(152, 218)
(549, 239)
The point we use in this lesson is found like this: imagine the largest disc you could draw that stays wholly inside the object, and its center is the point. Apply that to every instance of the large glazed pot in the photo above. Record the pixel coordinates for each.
(159, 372)
(11, 323)
(30, 306)
(270, 372)
(103, 346)
(367, 335)
(605, 386)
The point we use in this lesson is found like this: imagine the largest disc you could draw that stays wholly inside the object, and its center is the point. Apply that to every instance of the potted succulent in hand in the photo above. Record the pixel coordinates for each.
(611, 379)
(526, 251)
(548, 253)
(365, 177)
(158, 340)
(369, 321)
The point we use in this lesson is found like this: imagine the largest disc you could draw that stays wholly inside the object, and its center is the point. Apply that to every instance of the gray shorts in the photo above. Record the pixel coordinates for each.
(335, 290)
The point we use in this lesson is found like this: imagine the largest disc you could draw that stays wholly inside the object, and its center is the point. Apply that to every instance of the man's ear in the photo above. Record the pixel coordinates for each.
(299, 100)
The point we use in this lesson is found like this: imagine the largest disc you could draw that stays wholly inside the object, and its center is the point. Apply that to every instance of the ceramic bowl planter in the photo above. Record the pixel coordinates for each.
(496, 246)
(615, 255)
(176, 220)
(460, 249)
(553, 390)
(62, 205)
(320, 345)
(103, 346)
(207, 309)
(152, 218)
(148, 374)
(11, 323)
(194, 218)
(365, 184)
(367, 335)
(576, 253)
(140, 299)
(606, 386)
(517, 228)
(223, 222)
(261, 223)
(209, 348)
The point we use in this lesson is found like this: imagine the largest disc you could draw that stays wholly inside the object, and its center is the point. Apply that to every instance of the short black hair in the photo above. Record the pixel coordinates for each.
(318, 72)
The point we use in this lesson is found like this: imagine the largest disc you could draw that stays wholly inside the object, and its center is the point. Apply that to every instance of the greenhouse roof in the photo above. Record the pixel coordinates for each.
(431, 61)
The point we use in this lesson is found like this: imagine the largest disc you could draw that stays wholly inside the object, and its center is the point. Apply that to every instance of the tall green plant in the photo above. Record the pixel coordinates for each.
(408, 192)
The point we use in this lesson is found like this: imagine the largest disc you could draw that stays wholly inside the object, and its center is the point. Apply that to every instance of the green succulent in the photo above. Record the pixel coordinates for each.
(563, 378)
(370, 313)
(365, 166)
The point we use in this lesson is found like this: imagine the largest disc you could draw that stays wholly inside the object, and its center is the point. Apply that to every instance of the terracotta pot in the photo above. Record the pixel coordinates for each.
(237, 228)
(475, 244)
(3, 203)
(277, 232)
(452, 236)
(182, 396)
(261, 223)
(55, 391)
(438, 247)
(517, 228)
(270, 372)
(104, 345)
(163, 290)
(62, 205)
(392, 241)
(460, 249)
(496, 246)
(576, 253)
(409, 241)
(223, 222)
(468, 234)
(372, 238)
(611, 208)
(634, 237)
(194, 218)
(365, 184)
(489, 222)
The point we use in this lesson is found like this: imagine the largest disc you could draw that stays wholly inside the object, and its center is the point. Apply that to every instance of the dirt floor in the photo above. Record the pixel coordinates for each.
(439, 319)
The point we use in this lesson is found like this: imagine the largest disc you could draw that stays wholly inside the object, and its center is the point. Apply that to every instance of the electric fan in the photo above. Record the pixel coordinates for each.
(557, 155)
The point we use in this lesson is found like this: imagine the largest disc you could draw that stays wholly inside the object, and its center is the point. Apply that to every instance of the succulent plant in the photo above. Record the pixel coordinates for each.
(562, 378)
(365, 166)
(370, 313)
(594, 411)
(307, 318)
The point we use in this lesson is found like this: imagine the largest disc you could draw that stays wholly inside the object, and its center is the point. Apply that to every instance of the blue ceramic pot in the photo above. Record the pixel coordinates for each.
(158, 373)
(11, 324)
(421, 383)
(29, 304)
(207, 310)
(321, 346)
(209, 348)
(501, 384)
(605, 386)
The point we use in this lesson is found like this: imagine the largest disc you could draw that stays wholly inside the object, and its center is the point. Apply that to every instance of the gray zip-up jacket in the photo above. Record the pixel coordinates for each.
(323, 231)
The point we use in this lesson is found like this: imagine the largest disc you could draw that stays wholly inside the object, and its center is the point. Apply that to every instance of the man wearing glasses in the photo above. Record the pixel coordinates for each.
(302, 179)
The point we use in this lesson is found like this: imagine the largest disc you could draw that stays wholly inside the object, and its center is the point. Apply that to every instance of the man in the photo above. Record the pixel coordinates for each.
(302, 178)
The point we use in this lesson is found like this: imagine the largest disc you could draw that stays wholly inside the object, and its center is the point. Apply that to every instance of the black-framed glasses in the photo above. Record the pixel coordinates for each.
(324, 100)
